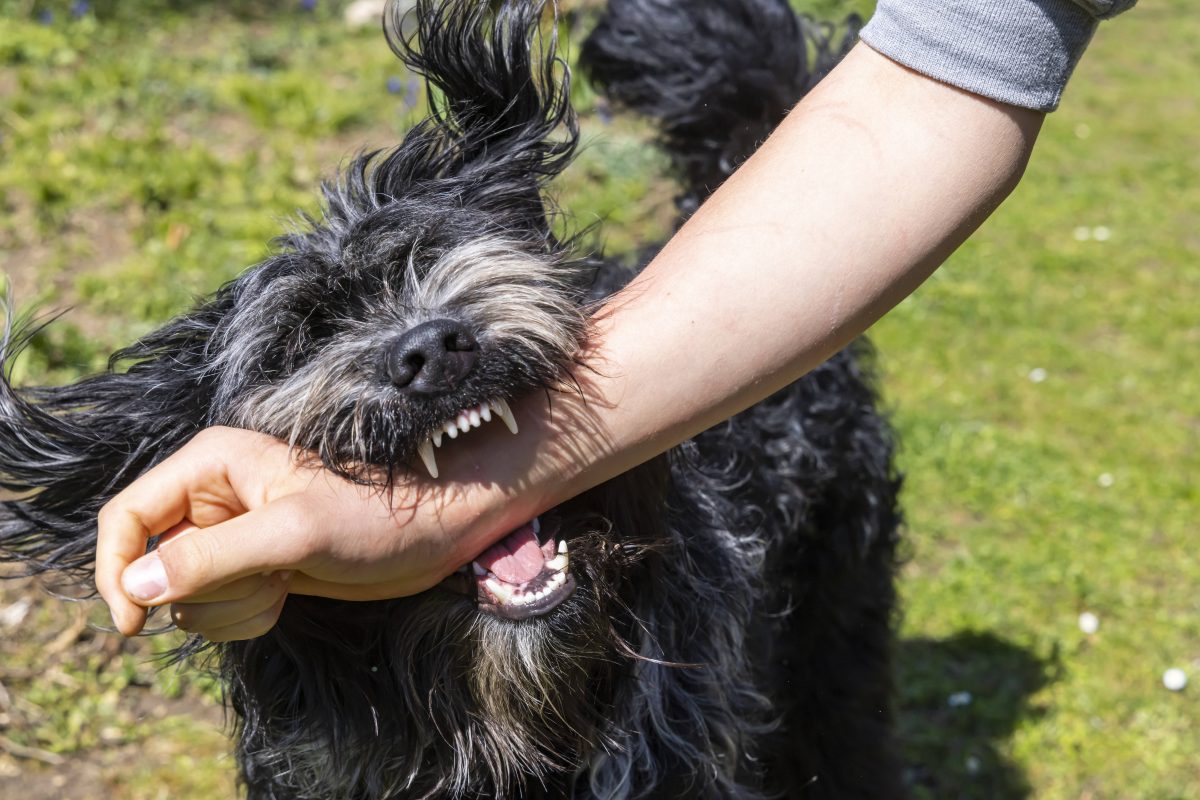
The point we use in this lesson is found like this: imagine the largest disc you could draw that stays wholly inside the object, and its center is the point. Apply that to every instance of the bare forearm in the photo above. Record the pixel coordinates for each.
(858, 196)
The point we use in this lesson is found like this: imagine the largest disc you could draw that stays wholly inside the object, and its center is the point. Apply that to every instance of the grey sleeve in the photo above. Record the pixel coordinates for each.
(1016, 51)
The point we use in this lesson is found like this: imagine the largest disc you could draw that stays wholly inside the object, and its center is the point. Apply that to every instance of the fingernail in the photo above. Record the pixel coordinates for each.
(145, 579)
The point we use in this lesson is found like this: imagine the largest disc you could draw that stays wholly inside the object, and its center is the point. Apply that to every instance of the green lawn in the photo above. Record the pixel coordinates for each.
(1044, 382)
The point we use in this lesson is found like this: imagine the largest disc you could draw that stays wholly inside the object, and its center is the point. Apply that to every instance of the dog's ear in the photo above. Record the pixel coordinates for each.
(501, 123)
(65, 451)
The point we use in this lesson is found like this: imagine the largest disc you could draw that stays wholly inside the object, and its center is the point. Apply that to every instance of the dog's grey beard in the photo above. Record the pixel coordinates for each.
(523, 308)
(479, 705)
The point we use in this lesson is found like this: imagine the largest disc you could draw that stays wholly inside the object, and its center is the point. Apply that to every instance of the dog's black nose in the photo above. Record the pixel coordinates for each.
(431, 358)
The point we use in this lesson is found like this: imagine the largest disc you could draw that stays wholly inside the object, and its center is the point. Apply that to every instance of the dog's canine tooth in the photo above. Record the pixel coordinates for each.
(506, 414)
(437, 438)
(478, 570)
(536, 524)
(451, 430)
(485, 412)
(473, 418)
(559, 562)
(562, 547)
(499, 590)
(425, 450)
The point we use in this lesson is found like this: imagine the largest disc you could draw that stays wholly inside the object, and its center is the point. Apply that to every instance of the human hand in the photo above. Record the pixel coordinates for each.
(244, 523)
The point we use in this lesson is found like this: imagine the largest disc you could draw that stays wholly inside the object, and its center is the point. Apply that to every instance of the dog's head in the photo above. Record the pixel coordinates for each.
(433, 290)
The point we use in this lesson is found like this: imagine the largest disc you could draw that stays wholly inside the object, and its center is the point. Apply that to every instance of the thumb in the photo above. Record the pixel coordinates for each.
(276, 536)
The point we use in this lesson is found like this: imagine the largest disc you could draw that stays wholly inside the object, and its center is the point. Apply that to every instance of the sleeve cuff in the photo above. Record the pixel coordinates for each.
(1020, 52)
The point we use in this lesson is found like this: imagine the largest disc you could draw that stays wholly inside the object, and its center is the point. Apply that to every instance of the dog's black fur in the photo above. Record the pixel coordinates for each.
(730, 633)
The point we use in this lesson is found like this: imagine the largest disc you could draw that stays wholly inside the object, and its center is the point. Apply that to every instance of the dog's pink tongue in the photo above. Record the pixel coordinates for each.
(516, 558)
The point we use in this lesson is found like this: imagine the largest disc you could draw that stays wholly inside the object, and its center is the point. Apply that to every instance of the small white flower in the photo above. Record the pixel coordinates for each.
(1105, 479)
(1083, 233)
(1101, 234)
(1089, 623)
(1037, 374)
(1175, 679)
(1083, 130)
(973, 765)
(14, 615)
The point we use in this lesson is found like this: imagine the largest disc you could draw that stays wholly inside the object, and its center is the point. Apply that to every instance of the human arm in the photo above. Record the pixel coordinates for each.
(867, 186)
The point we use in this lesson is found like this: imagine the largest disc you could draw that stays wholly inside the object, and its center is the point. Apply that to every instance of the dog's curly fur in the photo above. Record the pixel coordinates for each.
(730, 633)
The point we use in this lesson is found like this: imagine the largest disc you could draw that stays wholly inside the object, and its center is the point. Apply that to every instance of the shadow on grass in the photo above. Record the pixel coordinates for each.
(960, 699)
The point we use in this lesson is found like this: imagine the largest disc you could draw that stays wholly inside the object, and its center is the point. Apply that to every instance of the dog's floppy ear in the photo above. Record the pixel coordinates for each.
(65, 451)
(501, 123)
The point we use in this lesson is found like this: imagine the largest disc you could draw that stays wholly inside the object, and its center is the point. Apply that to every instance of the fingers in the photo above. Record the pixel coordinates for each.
(156, 502)
(308, 585)
(207, 562)
(251, 628)
(242, 618)
(219, 474)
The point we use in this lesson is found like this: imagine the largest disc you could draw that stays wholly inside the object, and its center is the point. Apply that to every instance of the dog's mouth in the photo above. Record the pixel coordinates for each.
(523, 575)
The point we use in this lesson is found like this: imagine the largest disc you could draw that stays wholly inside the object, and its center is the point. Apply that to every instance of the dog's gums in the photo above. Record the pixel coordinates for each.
(464, 421)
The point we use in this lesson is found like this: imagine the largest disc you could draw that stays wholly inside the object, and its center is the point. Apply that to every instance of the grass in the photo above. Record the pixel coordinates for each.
(1043, 381)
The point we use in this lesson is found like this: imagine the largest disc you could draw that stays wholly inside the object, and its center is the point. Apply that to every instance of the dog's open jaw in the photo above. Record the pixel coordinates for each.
(519, 576)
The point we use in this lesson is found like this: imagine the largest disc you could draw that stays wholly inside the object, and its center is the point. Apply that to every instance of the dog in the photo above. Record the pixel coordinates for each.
(715, 623)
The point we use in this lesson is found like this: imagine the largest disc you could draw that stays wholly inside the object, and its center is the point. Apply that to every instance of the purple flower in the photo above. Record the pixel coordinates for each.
(604, 112)
(46, 16)
(395, 85)
(308, 5)
(79, 8)
(413, 93)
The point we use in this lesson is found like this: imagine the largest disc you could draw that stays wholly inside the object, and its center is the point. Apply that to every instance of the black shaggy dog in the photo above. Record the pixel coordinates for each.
(712, 624)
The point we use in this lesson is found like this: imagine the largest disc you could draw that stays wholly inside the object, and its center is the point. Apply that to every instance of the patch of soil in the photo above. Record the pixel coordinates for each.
(47, 649)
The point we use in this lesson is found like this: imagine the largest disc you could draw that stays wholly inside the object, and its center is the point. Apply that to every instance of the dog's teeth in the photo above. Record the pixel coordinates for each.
(425, 450)
(506, 414)
(473, 418)
(536, 524)
(451, 430)
(562, 547)
(558, 579)
(499, 590)
(480, 571)
(464, 424)
(437, 438)
(559, 562)
(485, 413)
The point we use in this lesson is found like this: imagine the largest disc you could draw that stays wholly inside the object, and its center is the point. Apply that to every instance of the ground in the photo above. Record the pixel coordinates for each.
(1043, 382)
